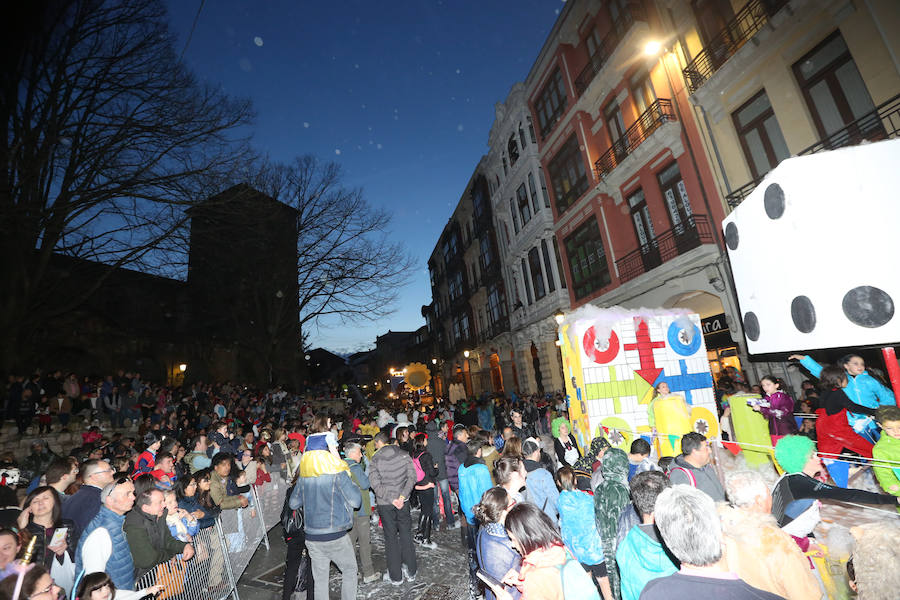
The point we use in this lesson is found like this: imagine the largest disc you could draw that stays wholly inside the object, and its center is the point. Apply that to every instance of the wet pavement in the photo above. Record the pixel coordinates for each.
(442, 572)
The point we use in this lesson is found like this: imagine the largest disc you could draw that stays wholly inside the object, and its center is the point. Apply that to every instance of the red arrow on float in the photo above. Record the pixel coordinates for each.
(648, 371)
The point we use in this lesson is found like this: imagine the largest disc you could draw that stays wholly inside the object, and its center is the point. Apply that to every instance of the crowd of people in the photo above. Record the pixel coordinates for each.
(540, 515)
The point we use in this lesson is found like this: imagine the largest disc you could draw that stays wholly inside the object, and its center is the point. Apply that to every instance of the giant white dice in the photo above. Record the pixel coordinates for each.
(815, 251)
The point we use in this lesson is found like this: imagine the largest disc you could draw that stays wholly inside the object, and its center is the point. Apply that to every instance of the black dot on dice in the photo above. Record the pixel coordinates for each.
(751, 326)
(731, 236)
(773, 200)
(868, 306)
(803, 313)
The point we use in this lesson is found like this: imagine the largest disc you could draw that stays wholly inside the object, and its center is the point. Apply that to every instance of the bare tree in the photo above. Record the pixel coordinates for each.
(109, 139)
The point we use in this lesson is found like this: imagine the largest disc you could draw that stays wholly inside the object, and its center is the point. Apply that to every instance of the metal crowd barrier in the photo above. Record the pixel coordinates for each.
(222, 551)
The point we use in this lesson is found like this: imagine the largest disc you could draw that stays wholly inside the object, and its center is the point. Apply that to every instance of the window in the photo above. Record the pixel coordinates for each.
(522, 200)
(531, 131)
(587, 259)
(592, 42)
(833, 89)
(643, 224)
(533, 190)
(534, 262)
(496, 303)
(551, 103)
(567, 175)
(677, 202)
(449, 249)
(559, 269)
(455, 284)
(486, 254)
(505, 167)
(547, 268)
(544, 189)
(522, 135)
(642, 91)
(478, 197)
(461, 328)
(527, 284)
(759, 134)
(512, 212)
(614, 122)
(513, 149)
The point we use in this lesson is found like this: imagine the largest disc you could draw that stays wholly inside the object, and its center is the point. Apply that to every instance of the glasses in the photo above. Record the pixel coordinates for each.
(49, 590)
(123, 479)
(101, 471)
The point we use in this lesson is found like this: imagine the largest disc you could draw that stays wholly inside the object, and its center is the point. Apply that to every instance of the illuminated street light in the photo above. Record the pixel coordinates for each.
(560, 317)
(466, 353)
(434, 361)
(182, 367)
(652, 48)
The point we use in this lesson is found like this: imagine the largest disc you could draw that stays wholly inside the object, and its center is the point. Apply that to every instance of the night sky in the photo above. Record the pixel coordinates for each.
(401, 94)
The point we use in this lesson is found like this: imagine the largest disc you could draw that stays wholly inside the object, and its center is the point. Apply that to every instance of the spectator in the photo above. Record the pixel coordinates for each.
(509, 471)
(182, 525)
(98, 586)
(579, 529)
(186, 494)
(521, 430)
(641, 556)
(35, 464)
(328, 497)
(567, 452)
(36, 583)
(148, 535)
(83, 505)
(41, 516)
(198, 458)
(103, 546)
(610, 498)
(539, 481)
(221, 469)
(887, 451)
(146, 461)
(692, 467)
(873, 567)
(690, 527)
(756, 548)
(639, 458)
(9, 548)
(61, 473)
(493, 549)
(164, 470)
(426, 473)
(360, 532)
(437, 446)
(114, 403)
(474, 481)
(456, 454)
(393, 476)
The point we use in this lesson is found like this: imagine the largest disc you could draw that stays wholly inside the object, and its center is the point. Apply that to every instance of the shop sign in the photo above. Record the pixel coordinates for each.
(715, 332)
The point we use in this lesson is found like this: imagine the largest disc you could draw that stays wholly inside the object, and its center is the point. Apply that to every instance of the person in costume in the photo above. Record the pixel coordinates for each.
(862, 389)
(564, 442)
(780, 409)
(833, 431)
(795, 498)
(887, 449)
(610, 497)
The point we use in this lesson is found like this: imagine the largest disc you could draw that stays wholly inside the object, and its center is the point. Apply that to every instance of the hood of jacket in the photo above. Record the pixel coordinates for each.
(614, 465)
(389, 452)
(433, 426)
(321, 462)
(681, 461)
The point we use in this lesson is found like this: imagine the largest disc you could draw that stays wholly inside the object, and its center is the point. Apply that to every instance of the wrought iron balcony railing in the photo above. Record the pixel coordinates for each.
(741, 29)
(880, 123)
(650, 120)
(622, 25)
(685, 236)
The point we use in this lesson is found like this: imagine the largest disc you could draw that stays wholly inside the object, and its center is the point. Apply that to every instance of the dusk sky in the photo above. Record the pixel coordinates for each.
(401, 94)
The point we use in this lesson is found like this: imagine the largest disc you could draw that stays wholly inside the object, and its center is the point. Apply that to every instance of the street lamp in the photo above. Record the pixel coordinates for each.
(560, 317)
(182, 367)
(652, 48)
(466, 353)
(434, 361)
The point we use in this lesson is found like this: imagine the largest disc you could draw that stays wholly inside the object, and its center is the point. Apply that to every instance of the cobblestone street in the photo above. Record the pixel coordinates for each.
(442, 573)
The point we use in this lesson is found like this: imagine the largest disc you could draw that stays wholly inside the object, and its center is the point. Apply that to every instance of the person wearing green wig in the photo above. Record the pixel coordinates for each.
(564, 442)
(795, 499)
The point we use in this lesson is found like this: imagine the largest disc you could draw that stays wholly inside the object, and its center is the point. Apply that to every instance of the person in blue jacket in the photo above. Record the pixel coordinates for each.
(579, 529)
(861, 388)
(641, 556)
(474, 481)
(494, 551)
(539, 481)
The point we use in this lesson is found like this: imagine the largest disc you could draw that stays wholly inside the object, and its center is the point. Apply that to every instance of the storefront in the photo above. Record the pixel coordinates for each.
(721, 351)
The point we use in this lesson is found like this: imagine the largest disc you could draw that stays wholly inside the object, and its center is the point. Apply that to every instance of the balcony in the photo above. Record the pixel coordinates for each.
(660, 112)
(880, 123)
(682, 238)
(493, 330)
(622, 25)
(740, 30)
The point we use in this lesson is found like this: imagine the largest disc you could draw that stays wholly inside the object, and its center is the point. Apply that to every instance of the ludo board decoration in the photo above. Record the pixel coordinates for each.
(614, 358)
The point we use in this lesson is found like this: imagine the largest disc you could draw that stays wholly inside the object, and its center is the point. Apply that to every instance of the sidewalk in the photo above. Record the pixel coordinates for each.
(442, 574)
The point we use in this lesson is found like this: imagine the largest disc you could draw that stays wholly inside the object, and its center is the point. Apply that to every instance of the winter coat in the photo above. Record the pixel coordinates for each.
(496, 556)
(191, 504)
(42, 555)
(437, 447)
(428, 468)
(150, 541)
(540, 573)
(359, 477)
(780, 414)
(541, 488)
(456, 455)
(888, 448)
(610, 497)
(486, 418)
(641, 558)
(391, 474)
(82, 506)
(474, 481)
(120, 565)
(327, 494)
(705, 478)
(578, 527)
(219, 493)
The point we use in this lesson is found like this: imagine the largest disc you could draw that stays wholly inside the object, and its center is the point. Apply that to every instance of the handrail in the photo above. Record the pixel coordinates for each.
(746, 23)
(687, 235)
(650, 120)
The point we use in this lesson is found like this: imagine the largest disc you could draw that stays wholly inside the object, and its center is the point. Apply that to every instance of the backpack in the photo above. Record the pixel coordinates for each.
(576, 583)
(420, 472)
(291, 520)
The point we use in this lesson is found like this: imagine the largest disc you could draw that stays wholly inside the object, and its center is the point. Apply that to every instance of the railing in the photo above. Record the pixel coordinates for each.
(659, 112)
(493, 330)
(880, 123)
(745, 24)
(685, 236)
(622, 25)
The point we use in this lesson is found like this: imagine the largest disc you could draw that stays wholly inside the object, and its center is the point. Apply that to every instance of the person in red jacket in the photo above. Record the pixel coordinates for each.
(833, 432)
(146, 460)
